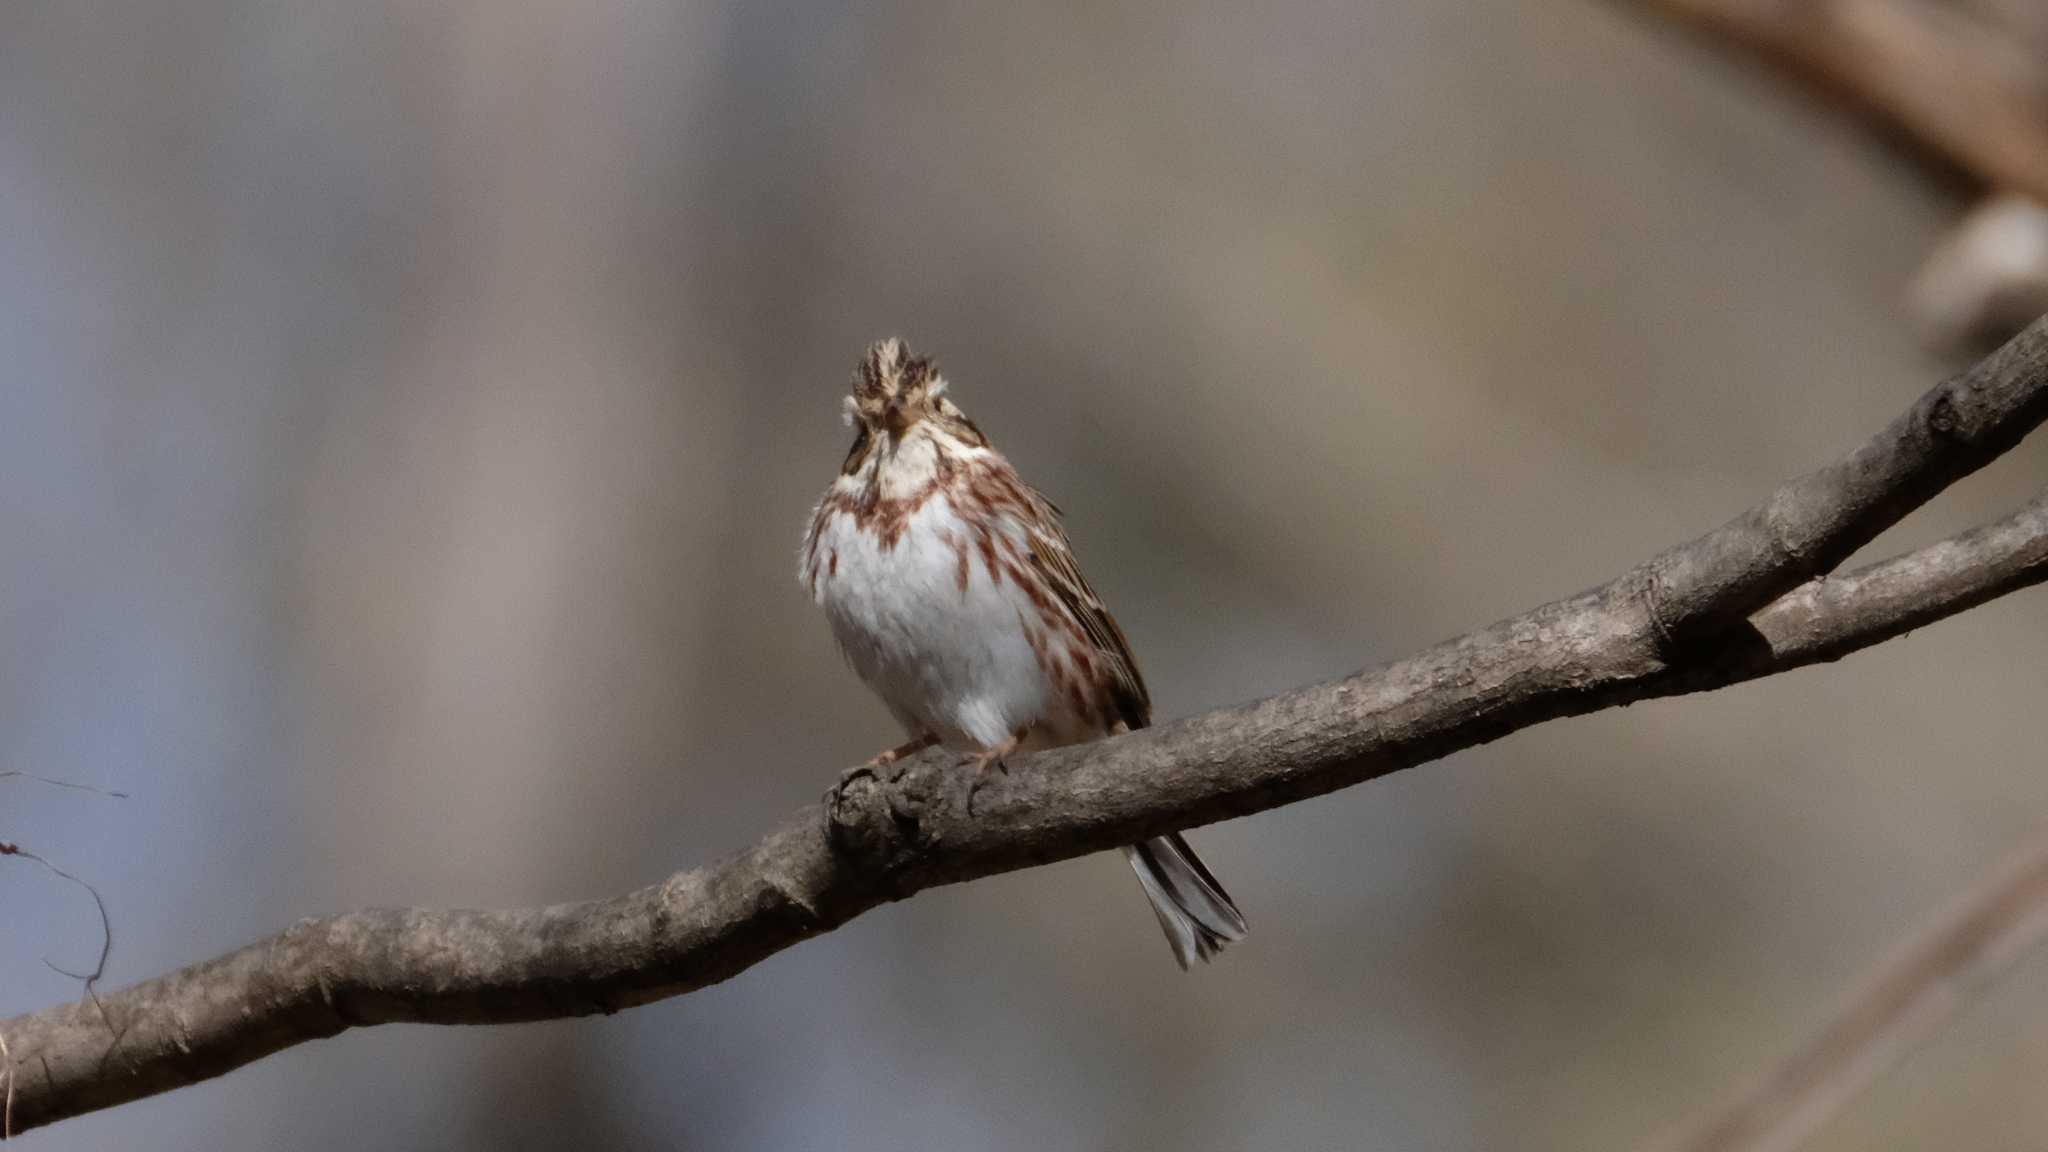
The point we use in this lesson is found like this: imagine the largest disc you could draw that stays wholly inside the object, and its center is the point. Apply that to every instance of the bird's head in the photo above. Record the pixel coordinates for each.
(896, 397)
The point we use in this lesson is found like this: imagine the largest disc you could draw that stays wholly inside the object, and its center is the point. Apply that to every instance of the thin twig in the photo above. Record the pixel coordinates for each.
(99, 968)
(1744, 601)
(55, 783)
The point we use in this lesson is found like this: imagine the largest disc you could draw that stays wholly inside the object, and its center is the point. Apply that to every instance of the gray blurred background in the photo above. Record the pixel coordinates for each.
(409, 413)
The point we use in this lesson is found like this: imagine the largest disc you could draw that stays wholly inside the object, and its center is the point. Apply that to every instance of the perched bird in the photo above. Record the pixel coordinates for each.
(953, 591)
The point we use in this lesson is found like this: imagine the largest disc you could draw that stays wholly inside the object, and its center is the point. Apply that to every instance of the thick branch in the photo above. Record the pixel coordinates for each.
(1686, 621)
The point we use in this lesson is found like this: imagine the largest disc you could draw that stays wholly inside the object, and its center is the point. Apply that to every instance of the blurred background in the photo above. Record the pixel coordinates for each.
(410, 411)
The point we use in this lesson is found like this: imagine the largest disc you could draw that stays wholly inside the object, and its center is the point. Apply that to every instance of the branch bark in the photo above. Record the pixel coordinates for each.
(1743, 601)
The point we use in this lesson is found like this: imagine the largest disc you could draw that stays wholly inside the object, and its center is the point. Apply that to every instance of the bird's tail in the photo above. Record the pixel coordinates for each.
(1193, 909)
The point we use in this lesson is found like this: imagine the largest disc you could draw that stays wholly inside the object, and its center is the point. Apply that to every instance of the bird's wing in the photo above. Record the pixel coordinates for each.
(1054, 557)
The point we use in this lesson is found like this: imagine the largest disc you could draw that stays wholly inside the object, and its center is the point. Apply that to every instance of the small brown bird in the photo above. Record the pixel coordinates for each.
(953, 591)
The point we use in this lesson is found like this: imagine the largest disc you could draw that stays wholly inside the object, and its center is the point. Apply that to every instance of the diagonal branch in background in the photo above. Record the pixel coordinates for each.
(1741, 602)
(1903, 1002)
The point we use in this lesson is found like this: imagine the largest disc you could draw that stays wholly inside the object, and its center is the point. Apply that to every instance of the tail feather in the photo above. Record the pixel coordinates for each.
(1194, 911)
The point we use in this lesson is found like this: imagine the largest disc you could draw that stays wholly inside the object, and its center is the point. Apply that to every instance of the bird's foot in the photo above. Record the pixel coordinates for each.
(986, 765)
(873, 767)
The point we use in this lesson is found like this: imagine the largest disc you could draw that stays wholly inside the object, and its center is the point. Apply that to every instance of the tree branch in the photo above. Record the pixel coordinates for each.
(1740, 602)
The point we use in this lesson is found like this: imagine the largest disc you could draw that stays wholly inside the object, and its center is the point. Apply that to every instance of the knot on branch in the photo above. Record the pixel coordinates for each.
(1941, 416)
(1701, 646)
(1650, 595)
(880, 820)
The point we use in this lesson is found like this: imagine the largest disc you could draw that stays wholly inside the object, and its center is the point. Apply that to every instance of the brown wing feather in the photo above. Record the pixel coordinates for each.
(1054, 557)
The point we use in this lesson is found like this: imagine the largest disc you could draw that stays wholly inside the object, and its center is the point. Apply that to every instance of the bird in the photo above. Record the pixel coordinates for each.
(953, 591)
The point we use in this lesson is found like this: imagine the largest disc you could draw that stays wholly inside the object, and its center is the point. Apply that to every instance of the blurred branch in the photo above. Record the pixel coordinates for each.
(1967, 83)
(1988, 277)
(1955, 79)
(1905, 1000)
(1743, 601)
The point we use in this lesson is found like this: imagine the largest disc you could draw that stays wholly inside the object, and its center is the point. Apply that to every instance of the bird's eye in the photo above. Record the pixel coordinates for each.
(859, 449)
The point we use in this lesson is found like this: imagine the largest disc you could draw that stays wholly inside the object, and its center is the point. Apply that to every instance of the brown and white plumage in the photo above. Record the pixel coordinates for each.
(953, 590)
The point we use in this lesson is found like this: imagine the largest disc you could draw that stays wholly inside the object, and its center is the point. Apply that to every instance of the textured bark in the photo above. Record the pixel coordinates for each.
(1740, 602)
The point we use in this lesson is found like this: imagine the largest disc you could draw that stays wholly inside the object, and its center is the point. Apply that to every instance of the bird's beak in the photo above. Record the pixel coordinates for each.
(897, 422)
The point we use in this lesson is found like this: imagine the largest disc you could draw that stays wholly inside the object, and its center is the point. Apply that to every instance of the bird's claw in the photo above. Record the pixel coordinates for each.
(870, 770)
(872, 767)
(983, 774)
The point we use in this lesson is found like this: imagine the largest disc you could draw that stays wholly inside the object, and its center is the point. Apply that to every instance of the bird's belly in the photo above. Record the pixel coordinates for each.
(930, 629)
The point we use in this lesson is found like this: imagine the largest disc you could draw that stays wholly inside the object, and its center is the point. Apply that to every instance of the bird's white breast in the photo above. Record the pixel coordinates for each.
(926, 624)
